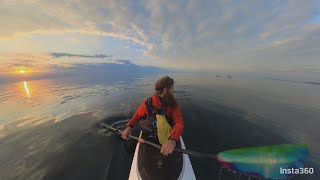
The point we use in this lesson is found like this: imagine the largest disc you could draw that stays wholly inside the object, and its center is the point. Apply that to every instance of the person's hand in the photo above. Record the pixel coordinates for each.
(126, 132)
(168, 147)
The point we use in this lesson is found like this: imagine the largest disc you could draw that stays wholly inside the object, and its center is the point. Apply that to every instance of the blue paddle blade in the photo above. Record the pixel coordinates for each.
(265, 161)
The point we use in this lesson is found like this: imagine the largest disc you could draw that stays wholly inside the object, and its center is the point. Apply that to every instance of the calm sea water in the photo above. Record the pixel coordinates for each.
(48, 128)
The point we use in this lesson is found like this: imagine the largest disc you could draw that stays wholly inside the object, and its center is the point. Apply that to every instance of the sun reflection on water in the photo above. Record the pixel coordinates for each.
(25, 85)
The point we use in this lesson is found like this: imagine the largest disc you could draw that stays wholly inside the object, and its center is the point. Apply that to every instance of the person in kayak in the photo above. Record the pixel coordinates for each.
(163, 108)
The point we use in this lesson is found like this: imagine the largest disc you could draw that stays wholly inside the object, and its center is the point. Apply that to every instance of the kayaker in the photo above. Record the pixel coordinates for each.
(163, 110)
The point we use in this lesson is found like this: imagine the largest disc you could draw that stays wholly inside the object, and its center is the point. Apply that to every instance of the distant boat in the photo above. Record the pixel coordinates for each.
(218, 76)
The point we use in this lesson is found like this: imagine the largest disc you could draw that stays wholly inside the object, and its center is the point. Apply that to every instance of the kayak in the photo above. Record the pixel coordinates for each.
(149, 163)
(260, 162)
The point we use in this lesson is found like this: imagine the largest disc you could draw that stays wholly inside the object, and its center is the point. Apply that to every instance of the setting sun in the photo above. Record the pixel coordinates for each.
(22, 70)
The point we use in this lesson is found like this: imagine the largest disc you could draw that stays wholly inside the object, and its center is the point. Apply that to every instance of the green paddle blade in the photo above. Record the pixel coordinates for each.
(265, 161)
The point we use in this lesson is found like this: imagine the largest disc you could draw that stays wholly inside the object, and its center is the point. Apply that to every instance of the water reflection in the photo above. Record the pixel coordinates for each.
(25, 85)
(42, 138)
(26, 100)
(26, 104)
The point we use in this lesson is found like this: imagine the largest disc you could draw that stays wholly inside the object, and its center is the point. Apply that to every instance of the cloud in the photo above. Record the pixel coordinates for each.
(125, 61)
(282, 69)
(68, 65)
(288, 18)
(72, 40)
(209, 34)
(58, 55)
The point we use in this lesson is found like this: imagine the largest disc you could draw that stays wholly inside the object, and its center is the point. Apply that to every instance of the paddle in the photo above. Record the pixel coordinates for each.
(178, 150)
(263, 162)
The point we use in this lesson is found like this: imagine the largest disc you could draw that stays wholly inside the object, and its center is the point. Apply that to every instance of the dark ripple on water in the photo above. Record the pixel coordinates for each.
(69, 98)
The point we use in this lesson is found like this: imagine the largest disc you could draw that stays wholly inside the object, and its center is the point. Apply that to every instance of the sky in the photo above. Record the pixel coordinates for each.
(268, 37)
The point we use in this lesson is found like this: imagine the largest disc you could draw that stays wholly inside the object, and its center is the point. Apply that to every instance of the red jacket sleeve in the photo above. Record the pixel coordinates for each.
(178, 124)
(140, 113)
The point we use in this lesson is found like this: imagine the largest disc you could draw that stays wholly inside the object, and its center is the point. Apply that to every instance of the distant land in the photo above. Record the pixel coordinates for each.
(306, 82)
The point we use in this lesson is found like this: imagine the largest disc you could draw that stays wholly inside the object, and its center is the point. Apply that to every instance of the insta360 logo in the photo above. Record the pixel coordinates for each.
(296, 171)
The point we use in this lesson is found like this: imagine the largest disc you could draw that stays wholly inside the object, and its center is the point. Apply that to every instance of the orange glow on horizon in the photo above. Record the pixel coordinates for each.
(26, 71)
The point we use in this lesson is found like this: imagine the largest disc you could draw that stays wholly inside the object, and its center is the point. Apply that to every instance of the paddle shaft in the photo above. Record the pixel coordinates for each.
(178, 150)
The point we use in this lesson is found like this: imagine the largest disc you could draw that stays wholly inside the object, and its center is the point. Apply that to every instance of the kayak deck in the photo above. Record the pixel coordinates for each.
(153, 165)
(149, 163)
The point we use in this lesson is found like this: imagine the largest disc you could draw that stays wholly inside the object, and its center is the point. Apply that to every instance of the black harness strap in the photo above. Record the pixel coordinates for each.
(153, 111)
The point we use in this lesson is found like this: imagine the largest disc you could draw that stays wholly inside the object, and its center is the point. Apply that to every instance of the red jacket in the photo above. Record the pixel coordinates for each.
(175, 113)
